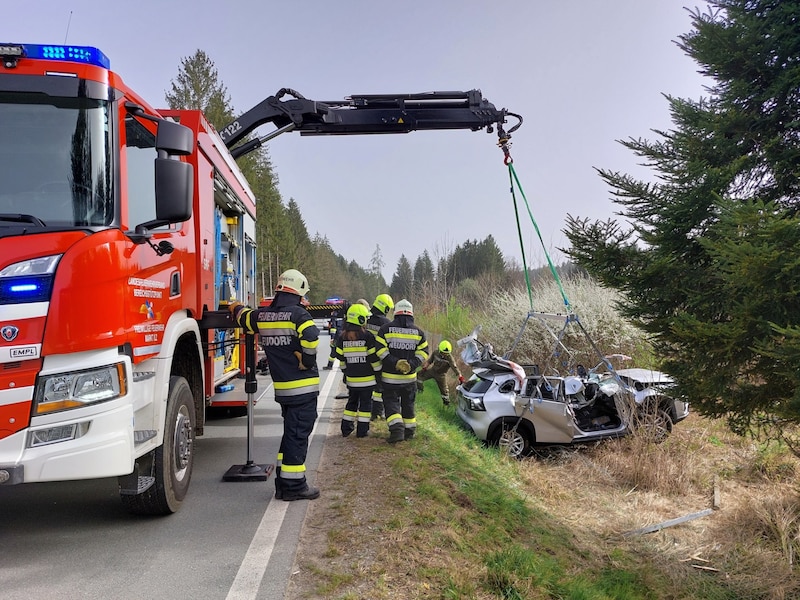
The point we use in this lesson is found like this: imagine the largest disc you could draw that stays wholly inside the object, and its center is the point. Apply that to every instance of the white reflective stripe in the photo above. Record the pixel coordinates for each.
(359, 383)
(12, 312)
(16, 395)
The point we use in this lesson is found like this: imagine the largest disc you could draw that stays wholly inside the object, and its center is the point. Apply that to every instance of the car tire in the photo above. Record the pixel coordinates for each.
(655, 424)
(514, 438)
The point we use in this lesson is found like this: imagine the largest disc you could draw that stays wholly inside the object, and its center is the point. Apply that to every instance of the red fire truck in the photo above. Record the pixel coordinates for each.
(123, 232)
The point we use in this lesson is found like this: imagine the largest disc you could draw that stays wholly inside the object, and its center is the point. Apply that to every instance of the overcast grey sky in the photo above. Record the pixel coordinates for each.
(582, 73)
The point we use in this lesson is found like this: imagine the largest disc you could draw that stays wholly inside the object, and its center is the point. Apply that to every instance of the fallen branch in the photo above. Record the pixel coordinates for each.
(705, 568)
(670, 523)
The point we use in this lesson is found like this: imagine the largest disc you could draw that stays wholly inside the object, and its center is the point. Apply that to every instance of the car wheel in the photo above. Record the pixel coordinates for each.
(514, 439)
(656, 424)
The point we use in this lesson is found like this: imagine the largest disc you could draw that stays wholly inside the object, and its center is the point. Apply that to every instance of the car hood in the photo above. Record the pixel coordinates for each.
(645, 375)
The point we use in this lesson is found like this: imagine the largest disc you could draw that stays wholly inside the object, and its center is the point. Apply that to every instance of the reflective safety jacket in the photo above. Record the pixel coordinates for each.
(289, 338)
(358, 359)
(401, 339)
(376, 321)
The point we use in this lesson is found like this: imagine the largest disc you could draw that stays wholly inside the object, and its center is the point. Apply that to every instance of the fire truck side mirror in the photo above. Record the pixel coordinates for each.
(173, 178)
(174, 138)
(174, 190)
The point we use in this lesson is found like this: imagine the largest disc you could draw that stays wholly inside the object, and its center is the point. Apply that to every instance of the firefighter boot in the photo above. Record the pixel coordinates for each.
(396, 433)
(409, 433)
(309, 493)
(278, 488)
(347, 428)
(362, 430)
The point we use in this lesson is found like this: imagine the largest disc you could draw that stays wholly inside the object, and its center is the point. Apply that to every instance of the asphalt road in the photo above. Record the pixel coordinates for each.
(230, 540)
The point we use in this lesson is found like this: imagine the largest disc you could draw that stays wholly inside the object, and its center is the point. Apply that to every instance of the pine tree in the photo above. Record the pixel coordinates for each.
(197, 86)
(376, 264)
(402, 285)
(423, 275)
(709, 265)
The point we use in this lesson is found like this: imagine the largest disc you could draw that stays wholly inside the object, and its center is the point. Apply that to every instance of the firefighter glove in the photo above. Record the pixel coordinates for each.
(403, 366)
(460, 379)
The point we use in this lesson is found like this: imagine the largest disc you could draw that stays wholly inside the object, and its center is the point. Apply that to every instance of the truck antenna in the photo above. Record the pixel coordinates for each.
(69, 20)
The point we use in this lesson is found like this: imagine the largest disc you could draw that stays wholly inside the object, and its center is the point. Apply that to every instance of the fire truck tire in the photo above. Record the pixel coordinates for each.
(172, 461)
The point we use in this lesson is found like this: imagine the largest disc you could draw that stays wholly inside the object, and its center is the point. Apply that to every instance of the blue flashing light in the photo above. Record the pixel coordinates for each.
(27, 287)
(23, 290)
(80, 54)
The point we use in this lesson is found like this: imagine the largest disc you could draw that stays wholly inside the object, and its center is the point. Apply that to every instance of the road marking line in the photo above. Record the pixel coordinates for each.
(254, 564)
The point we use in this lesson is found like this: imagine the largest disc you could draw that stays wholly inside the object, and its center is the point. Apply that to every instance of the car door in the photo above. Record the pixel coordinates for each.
(550, 414)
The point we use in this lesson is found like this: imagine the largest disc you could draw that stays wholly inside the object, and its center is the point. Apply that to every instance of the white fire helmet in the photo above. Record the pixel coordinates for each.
(404, 308)
(292, 281)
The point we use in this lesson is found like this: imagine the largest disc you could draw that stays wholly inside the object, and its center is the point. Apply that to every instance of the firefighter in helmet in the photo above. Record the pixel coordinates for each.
(358, 359)
(290, 340)
(436, 367)
(402, 348)
(379, 316)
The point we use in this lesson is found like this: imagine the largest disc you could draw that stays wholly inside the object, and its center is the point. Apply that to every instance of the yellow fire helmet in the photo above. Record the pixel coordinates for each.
(384, 303)
(357, 314)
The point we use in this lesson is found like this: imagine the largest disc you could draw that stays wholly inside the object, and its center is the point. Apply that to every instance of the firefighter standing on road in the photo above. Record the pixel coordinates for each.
(355, 349)
(402, 348)
(381, 308)
(290, 340)
(436, 367)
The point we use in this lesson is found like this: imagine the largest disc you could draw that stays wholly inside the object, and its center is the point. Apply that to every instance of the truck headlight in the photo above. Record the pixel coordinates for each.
(64, 391)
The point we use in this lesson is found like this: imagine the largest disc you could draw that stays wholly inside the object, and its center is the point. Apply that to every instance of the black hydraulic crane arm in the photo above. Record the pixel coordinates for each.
(365, 114)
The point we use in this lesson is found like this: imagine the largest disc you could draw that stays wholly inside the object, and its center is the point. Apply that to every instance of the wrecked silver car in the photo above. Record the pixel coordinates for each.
(517, 408)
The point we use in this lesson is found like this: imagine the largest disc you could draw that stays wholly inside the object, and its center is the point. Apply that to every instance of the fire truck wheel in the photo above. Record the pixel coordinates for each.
(171, 463)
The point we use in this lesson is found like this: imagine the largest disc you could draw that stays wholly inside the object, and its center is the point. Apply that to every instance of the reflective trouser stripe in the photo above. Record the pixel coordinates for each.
(293, 471)
(394, 419)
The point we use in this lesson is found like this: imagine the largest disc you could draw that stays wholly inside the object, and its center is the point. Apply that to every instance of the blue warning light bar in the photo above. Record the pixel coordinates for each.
(79, 54)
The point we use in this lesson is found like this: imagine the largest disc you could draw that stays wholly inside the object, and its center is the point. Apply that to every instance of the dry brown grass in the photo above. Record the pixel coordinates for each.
(752, 538)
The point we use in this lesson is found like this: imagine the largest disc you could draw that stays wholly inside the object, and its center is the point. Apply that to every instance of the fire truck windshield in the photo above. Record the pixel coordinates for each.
(55, 160)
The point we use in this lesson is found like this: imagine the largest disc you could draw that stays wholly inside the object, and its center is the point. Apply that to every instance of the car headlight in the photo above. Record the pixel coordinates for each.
(64, 391)
(474, 402)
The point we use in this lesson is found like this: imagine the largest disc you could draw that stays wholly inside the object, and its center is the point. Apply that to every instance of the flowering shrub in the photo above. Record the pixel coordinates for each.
(595, 308)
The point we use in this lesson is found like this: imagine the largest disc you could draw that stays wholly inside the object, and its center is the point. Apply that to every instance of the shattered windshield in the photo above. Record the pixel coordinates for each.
(55, 161)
